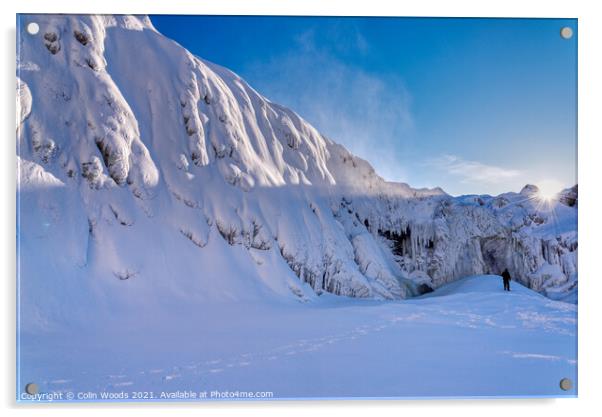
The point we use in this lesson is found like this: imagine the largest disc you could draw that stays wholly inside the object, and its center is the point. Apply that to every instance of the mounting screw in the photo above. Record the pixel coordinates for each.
(566, 384)
(566, 32)
(33, 28)
(31, 388)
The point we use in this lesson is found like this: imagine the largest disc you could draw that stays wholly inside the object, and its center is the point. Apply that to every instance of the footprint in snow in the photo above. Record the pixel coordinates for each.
(60, 381)
(311, 349)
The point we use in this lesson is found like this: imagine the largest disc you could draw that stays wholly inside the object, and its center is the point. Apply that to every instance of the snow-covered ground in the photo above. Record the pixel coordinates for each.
(468, 338)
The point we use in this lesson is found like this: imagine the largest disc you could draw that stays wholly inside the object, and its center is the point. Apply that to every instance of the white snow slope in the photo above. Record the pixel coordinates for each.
(468, 338)
(152, 183)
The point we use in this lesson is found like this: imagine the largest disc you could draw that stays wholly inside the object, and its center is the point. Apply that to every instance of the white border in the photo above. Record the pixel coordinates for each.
(590, 82)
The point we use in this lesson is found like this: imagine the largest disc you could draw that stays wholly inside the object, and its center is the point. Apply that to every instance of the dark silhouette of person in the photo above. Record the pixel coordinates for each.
(506, 278)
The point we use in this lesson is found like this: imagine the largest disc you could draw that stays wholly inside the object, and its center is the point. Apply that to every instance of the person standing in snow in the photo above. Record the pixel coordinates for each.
(506, 277)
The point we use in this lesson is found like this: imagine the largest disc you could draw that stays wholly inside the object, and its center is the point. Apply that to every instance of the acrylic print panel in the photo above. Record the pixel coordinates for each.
(263, 208)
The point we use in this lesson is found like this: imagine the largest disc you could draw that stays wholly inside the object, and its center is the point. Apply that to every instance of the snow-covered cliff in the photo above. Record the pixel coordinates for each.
(147, 174)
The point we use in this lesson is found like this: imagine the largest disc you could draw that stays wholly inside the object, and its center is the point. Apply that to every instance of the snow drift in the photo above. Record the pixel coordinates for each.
(150, 177)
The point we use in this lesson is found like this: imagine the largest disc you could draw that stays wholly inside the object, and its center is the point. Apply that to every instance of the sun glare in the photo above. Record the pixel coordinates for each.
(548, 190)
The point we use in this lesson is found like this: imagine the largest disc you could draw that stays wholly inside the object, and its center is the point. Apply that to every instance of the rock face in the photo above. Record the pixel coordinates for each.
(125, 139)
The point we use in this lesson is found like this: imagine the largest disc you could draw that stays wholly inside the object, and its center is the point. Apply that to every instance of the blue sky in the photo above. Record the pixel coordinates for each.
(471, 105)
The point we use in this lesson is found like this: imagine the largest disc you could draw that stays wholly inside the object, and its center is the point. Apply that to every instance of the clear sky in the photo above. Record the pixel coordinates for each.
(471, 105)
